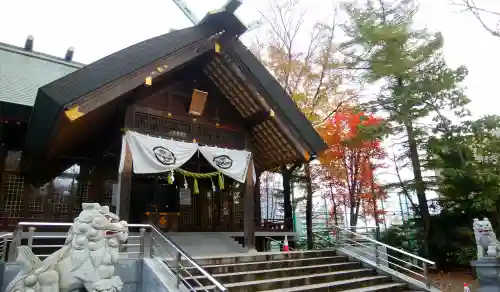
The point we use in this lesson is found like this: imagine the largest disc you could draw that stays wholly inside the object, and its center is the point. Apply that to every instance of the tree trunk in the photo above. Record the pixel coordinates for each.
(353, 220)
(309, 207)
(497, 217)
(375, 208)
(419, 184)
(287, 201)
(335, 210)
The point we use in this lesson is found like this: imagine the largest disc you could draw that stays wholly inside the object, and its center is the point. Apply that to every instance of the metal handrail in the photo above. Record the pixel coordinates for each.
(387, 246)
(361, 230)
(178, 250)
(190, 260)
(349, 240)
(278, 241)
(388, 255)
(5, 239)
(63, 224)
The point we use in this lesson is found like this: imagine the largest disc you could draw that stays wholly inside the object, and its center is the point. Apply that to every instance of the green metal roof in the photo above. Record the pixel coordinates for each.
(22, 72)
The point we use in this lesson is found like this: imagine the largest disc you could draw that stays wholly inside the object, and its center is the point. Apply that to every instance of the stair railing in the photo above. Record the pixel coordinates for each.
(144, 241)
(380, 254)
(158, 240)
(4, 242)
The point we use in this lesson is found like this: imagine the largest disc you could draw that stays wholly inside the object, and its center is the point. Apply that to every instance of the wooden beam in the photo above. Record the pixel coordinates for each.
(248, 213)
(124, 187)
(258, 94)
(117, 88)
(258, 118)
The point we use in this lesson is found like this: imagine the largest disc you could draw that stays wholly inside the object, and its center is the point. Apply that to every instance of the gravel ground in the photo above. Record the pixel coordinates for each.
(454, 281)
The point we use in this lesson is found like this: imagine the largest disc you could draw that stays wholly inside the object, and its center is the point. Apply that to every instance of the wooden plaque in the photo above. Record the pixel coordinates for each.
(198, 100)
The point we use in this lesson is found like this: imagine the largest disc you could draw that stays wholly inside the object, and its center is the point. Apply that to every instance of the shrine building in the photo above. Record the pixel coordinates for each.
(174, 130)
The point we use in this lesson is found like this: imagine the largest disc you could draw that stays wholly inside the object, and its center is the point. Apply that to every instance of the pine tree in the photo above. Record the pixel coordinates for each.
(417, 86)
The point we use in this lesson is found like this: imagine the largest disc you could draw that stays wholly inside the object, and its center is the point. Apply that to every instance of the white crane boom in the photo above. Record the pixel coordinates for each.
(189, 14)
(230, 5)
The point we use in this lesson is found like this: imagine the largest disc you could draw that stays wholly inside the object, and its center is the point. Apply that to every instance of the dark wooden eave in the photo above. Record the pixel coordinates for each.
(276, 96)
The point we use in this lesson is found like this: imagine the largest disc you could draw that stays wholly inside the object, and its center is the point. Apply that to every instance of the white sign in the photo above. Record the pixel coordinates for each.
(185, 196)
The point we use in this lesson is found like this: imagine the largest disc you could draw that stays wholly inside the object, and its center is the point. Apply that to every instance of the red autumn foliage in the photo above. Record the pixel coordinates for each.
(353, 155)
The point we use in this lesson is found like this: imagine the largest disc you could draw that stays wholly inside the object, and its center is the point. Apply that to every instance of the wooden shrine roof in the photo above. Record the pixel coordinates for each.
(99, 90)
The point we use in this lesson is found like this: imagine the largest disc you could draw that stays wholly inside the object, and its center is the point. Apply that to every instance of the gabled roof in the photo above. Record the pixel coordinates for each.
(283, 103)
(53, 98)
(104, 83)
(22, 72)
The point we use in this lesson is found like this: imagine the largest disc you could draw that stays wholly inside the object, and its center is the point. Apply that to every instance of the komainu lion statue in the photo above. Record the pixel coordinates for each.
(486, 241)
(86, 260)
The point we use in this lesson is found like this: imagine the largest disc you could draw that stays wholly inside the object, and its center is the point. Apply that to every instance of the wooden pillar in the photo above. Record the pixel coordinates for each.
(27, 196)
(81, 188)
(72, 200)
(124, 187)
(48, 203)
(97, 178)
(231, 219)
(248, 214)
(257, 204)
(3, 157)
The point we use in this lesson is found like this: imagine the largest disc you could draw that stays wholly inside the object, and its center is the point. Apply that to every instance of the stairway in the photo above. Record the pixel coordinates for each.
(287, 272)
(207, 243)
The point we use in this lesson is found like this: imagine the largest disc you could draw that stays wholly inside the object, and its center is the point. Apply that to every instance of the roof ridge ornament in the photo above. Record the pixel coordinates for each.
(28, 45)
(232, 5)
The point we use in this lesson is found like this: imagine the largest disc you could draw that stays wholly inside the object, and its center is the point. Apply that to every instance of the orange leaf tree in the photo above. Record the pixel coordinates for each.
(353, 156)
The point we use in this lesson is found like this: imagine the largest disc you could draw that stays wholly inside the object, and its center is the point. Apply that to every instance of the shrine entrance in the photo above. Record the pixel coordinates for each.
(175, 204)
(149, 195)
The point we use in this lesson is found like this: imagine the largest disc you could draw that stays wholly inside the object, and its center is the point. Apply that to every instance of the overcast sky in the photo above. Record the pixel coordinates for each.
(99, 28)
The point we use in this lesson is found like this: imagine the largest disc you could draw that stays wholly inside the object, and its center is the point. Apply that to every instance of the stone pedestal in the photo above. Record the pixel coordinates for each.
(488, 274)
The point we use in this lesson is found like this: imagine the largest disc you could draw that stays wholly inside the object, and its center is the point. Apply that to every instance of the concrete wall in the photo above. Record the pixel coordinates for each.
(135, 274)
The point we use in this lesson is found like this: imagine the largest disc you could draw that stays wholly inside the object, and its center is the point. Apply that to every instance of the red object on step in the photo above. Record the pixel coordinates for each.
(466, 287)
(285, 244)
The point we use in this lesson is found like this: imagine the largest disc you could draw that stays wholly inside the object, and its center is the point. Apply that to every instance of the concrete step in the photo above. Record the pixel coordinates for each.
(389, 287)
(321, 270)
(262, 256)
(350, 285)
(288, 284)
(271, 264)
(263, 274)
(203, 244)
(302, 280)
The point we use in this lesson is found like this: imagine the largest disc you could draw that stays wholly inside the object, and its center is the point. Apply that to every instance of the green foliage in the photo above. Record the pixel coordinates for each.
(396, 236)
(418, 83)
(451, 241)
(420, 94)
(468, 161)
